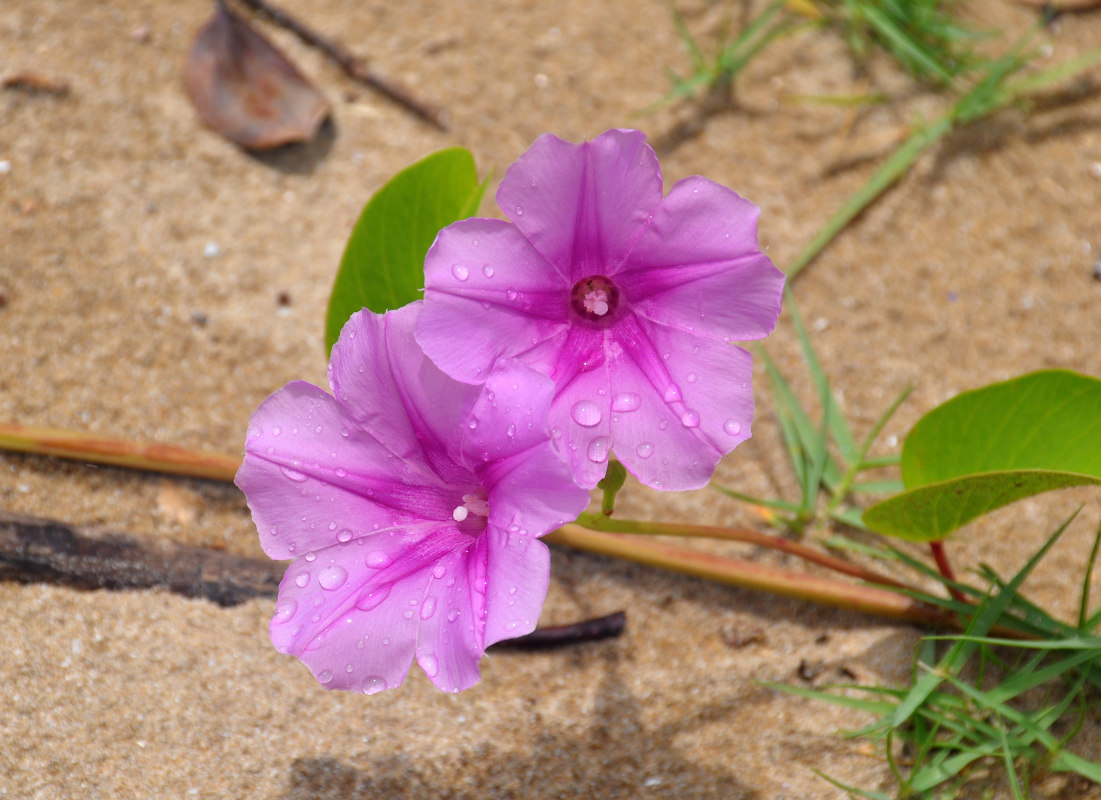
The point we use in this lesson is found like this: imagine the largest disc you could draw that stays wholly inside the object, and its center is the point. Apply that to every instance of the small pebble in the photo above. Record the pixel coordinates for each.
(211, 250)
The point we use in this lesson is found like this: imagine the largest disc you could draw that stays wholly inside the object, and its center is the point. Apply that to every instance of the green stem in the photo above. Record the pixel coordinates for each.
(118, 452)
(597, 522)
(736, 572)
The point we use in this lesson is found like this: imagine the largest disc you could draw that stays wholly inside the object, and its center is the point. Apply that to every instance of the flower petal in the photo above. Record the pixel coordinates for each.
(518, 571)
(698, 267)
(583, 205)
(691, 401)
(488, 295)
(393, 391)
(313, 478)
(358, 612)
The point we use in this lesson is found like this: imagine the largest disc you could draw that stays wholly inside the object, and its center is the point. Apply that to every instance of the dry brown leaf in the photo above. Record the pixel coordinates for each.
(247, 90)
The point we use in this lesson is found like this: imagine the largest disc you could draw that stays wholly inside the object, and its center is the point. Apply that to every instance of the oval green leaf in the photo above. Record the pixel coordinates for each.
(383, 263)
(992, 446)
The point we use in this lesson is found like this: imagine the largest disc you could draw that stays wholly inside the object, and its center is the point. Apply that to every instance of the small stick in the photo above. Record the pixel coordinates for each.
(554, 636)
(353, 67)
(33, 549)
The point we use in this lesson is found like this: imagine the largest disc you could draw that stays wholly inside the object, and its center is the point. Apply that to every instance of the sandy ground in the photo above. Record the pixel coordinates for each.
(157, 282)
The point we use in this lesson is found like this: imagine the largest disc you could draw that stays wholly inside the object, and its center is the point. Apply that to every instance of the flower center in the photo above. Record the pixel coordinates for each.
(596, 299)
(472, 504)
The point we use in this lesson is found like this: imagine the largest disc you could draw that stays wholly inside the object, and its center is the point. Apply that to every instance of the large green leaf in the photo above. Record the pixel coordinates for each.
(383, 264)
(987, 448)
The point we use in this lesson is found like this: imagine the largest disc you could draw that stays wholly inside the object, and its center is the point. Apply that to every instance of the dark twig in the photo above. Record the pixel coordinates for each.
(354, 67)
(34, 550)
(590, 630)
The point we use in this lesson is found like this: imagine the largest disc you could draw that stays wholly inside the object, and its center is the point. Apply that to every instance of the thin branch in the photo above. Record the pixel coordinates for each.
(45, 550)
(355, 68)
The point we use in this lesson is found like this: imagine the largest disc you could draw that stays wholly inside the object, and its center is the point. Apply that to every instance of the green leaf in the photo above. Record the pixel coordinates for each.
(990, 447)
(383, 263)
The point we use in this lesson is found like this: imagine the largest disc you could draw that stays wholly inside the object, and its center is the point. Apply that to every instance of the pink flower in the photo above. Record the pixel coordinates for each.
(412, 506)
(628, 301)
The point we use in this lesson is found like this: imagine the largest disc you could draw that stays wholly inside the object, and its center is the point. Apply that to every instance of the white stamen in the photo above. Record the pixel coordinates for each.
(597, 302)
(460, 513)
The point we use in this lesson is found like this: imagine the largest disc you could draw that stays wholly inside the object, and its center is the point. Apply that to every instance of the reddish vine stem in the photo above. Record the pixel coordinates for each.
(940, 556)
(355, 68)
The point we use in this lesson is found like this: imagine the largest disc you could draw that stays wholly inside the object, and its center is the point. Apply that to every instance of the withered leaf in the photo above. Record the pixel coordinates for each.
(246, 90)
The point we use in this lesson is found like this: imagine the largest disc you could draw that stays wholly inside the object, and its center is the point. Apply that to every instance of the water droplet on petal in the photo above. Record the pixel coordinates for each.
(453, 614)
(284, 610)
(293, 474)
(332, 577)
(663, 424)
(512, 431)
(472, 424)
(511, 294)
(374, 685)
(672, 393)
(487, 270)
(690, 377)
(460, 272)
(556, 433)
(586, 413)
(407, 613)
(370, 600)
(325, 676)
(439, 571)
(732, 427)
(626, 401)
(344, 536)
(429, 607)
(430, 666)
(690, 419)
(378, 560)
(598, 449)
(341, 472)
(644, 450)
(310, 557)
(276, 431)
(302, 579)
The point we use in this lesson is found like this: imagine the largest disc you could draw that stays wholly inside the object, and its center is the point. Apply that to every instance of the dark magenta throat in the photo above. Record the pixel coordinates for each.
(595, 299)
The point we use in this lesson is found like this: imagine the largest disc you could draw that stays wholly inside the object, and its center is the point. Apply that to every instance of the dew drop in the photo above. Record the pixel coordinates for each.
(344, 536)
(310, 557)
(556, 433)
(332, 577)
(293, 474)
(598, 449)
(663, 424)
(377, 559)
(644, 450)
(439, 571)
(586, 413)
(430, 666)
(626, 401)
(317, 429)
(341, 472)
(284, 610)
(453, 614)
(276, 431)
(407, 613)
(460, 272)
(511, 294)
(325, 676)
(374, 685)
(690, 377)
(512, 431)
(732, 427)
(302, 579)
(472, 424)
(690, 419)
(429, 607)
(672, 393)
(370, 600)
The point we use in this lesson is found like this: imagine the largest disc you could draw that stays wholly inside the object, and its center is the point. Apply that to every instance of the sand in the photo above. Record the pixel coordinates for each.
(158, 283)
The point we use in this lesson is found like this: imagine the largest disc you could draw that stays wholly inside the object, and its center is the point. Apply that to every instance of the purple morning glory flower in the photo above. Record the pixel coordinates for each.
(627, 300)
(411, 505)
